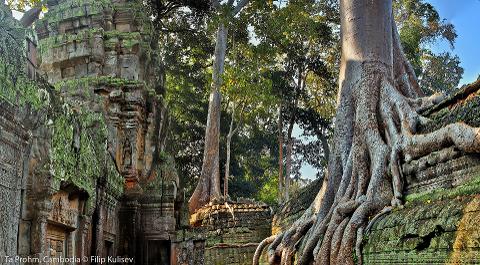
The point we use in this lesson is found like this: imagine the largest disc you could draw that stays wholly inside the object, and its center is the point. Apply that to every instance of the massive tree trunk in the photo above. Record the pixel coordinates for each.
(376, 120)
(208, 186)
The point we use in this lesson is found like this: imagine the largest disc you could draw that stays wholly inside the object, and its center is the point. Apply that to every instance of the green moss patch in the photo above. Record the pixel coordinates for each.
(469, 188)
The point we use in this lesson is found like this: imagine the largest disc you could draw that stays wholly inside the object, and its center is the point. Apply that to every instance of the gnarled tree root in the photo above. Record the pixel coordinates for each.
(372, 174)
(379, 112)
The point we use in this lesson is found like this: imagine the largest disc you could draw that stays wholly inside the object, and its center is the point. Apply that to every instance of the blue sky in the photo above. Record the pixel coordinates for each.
(464, 15)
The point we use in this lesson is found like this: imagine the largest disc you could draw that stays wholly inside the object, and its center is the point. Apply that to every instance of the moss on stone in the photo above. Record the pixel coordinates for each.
(427, 232)
(457, 108)
(75, 9)
(15, 86)
(468, 188)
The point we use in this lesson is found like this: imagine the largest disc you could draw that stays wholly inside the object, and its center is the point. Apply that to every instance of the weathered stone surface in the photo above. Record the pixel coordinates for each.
(295, 207)
(13, 150)
(98, 54)
(232, 230)
(436, 232)
(17, 71)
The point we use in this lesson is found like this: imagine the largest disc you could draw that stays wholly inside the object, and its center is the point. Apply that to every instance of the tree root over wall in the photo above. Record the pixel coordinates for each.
(377, 116)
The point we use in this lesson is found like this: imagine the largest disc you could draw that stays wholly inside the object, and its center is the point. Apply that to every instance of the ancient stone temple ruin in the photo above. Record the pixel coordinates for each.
(83, 158)
(232, 229)
(84, 171)
(95, 181)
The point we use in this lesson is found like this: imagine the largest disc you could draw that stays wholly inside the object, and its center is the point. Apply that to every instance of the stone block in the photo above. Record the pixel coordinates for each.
(98, 52)
(81, 70)
(94, 69)
(68, 72)
(129, 67)
(123, 27)
(110, 66)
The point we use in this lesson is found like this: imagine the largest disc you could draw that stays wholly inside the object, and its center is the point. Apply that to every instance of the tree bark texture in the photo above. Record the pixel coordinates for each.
(280, 154)
(288, 169)
(209, 183)
(208, 186)
(376, 120)
(231, 133)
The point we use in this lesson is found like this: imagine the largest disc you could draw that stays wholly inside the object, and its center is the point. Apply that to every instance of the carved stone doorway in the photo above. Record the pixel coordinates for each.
(57, 242)
(108, 249)
(158, 252)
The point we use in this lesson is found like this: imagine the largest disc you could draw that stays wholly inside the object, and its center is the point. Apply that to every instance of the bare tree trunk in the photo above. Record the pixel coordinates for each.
(280, 154)
(376, 125)
(231, 133)
(288, 169)
(208, 186)
(324, 141)
(227, 166)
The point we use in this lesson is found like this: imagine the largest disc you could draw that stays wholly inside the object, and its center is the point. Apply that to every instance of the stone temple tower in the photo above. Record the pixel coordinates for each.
(100, 54)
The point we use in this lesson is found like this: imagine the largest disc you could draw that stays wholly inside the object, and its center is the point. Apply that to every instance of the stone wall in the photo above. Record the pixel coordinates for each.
(295, 207)
(447, 168)
(13, 150)
(232, 230)
(442, 231)
(14, 128)
(96, 180)
(101, 57)
(439, 223)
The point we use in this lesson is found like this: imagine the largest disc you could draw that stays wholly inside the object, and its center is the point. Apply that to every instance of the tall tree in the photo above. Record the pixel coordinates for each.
(302, 37)
(440, 72)
(247, 88)
(209, 183)
(376, 123)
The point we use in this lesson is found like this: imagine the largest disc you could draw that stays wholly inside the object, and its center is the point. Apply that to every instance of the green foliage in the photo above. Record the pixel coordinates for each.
(447, 72)
(420, 26)
(302, 40)
(269, 191)
(22, 5)
(247, 86)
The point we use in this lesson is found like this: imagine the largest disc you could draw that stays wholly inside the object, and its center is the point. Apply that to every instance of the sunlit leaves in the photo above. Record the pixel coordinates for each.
(420, 26)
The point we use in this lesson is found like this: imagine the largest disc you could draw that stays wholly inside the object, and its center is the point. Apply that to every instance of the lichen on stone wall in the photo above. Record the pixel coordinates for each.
(428, 232)
(459, 107)
(469, 188)
(79, 142)
(15, 86)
